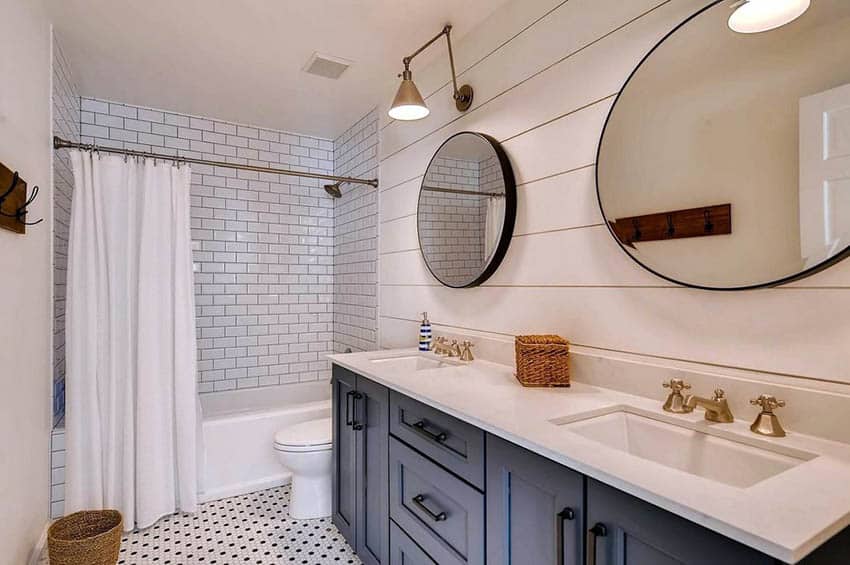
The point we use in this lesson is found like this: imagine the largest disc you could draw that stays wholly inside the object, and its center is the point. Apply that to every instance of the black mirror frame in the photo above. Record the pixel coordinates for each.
(826, 263)
(510, 211)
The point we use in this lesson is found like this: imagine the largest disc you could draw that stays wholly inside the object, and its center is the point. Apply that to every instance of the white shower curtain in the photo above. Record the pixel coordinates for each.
(493, 221)
(131, 406)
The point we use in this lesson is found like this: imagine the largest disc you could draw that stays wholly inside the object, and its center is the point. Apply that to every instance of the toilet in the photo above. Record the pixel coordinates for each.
(305, 449)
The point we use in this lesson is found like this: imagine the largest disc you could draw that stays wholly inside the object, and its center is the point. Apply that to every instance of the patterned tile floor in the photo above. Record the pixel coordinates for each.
(251, 529)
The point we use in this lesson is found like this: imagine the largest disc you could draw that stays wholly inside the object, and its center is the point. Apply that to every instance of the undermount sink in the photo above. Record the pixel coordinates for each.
(414, 362)
(690, 450)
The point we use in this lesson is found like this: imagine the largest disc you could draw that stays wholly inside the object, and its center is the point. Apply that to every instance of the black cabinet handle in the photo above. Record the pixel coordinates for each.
(438, 436)
(597, 531)
(419, 500)
(356, 424)
(348, 396)
(563, 516)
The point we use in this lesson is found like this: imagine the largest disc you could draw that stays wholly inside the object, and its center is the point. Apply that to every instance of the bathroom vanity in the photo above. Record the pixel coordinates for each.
(453, 464)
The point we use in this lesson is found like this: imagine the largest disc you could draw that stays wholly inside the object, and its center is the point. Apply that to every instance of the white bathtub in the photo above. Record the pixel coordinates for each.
(239, 428)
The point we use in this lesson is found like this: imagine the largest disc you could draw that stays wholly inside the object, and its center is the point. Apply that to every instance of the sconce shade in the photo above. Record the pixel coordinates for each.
(755, 16)
(408, 103)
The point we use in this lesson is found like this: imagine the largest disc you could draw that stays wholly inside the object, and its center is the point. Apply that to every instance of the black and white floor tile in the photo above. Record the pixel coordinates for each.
(253, 529)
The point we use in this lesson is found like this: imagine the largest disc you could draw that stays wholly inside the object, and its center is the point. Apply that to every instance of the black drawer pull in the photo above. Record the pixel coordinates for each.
(348, 395)
(563, 516)
(597, 531)
(419, 501)
(355, 424)
(439, 437)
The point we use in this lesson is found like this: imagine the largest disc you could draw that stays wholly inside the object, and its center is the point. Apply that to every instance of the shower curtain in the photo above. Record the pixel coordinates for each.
(493, 220)
(131, 403)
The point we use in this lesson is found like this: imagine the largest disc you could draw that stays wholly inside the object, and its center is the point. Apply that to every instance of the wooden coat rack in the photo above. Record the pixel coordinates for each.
(693, 222)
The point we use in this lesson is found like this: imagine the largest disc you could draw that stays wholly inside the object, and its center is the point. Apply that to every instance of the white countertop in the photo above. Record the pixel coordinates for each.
(786, 516)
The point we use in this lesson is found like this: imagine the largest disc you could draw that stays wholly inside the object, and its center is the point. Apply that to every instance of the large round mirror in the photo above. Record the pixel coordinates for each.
(467, 207)
(725, 161)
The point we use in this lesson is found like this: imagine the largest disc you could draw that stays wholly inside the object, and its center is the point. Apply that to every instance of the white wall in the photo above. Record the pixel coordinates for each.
(545, 74)
(25, 283)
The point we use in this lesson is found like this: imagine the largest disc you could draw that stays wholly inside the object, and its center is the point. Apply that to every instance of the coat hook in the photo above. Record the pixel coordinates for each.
(709, 225)
(671, 230)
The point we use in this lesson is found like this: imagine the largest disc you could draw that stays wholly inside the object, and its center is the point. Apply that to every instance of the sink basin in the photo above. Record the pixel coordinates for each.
(414, 362)
(690, 450)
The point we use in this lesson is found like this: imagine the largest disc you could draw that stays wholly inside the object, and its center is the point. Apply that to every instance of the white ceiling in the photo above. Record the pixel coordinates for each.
(241, 60)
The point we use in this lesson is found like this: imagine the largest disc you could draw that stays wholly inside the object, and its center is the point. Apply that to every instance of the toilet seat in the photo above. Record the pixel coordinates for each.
(305, 437)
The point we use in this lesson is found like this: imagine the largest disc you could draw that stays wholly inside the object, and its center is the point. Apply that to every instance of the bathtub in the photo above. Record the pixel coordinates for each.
(238, 434)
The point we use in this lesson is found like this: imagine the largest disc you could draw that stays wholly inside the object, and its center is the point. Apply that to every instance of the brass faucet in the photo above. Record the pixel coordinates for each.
(440, 347)
(675, 402)
(766, 423)
(716, 409)
(454, 349)
(466, 353)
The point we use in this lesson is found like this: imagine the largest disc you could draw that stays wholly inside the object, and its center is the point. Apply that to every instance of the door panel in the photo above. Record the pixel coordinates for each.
(372, 412)
(404, 551)
(634, 532)
(344, 454)
(534, 508)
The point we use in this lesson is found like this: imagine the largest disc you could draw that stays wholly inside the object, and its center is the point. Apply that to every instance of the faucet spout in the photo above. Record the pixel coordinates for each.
(716, 409)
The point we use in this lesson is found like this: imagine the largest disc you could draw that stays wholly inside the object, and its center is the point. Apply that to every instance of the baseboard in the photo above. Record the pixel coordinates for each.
(40, 545)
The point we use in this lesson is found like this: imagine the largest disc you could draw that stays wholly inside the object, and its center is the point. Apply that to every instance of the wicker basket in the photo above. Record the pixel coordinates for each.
(85, 538)
(542, 360)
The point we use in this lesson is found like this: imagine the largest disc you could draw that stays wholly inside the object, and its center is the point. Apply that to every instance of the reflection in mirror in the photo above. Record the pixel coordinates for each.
(466, 206)
(758, 123)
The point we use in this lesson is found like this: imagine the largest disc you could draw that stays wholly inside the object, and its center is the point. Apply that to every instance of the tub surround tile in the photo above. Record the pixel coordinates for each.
(797, 510)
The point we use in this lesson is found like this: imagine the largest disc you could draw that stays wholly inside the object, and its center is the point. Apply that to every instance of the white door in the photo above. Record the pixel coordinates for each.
(824, 174)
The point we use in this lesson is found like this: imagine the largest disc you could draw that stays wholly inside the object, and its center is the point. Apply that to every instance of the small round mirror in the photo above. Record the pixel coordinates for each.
(467, 207)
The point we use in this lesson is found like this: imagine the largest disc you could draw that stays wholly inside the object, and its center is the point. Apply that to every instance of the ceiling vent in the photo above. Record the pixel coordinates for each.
(326, 66)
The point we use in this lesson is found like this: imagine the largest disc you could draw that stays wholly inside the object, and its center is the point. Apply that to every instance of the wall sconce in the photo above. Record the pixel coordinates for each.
(409, 104)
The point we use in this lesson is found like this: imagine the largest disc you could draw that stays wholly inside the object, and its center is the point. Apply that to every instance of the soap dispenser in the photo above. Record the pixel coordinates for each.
(425, 333)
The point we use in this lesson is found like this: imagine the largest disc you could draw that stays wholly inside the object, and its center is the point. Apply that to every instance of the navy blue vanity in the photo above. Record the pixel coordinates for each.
(413, 485)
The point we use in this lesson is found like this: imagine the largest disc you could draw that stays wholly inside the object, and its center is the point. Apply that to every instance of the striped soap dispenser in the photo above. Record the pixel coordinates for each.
(425, 333)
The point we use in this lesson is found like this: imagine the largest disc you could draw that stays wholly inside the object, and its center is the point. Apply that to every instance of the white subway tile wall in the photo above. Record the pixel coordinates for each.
(66, 123)
(355, 324)
(57, 473)
(263, 243)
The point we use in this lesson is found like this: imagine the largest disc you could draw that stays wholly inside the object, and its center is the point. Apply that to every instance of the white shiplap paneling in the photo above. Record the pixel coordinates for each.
(544, 90)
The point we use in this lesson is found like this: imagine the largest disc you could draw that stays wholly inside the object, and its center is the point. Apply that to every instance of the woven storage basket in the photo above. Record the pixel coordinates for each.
(542, 360)
(90, 537)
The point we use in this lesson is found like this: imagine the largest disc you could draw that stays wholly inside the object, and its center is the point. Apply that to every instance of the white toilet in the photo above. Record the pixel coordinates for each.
(305, 449)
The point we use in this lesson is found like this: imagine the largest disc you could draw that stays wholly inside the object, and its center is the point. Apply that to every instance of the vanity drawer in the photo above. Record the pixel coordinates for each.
(441, 513)
(404, 551)
(454, 444)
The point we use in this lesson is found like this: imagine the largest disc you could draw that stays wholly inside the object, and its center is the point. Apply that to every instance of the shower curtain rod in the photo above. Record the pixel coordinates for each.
(59, 143)
(459, 191)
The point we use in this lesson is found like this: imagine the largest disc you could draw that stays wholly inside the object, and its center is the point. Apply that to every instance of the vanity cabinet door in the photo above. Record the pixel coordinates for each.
(371, 423)
(624, 530)
(344, 453)
(534, 508)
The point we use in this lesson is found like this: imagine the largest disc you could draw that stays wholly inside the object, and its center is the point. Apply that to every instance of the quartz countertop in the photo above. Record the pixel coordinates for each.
(785, 516)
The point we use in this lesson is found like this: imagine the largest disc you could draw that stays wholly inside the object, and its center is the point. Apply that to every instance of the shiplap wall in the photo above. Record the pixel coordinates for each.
(545, 75)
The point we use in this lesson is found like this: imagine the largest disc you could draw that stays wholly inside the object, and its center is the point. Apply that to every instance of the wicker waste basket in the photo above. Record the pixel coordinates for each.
(542, 360)
(91, 537)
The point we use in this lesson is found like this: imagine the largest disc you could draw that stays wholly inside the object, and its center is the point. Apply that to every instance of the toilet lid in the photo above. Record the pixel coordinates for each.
(309, 433)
